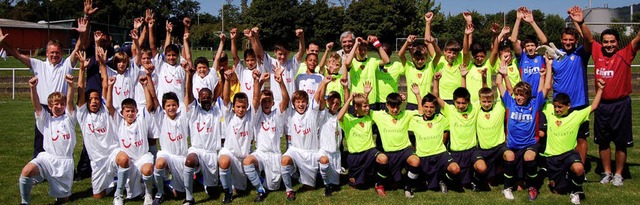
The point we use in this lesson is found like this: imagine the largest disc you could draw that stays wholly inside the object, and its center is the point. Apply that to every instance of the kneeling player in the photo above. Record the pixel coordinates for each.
(491, 137)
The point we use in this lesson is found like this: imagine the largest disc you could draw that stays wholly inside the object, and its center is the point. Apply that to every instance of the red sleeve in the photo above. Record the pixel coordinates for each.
(596, 49)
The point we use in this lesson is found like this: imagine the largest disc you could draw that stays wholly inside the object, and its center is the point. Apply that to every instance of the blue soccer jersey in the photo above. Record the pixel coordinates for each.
(570, 77)
(522, 121)
(530, 70)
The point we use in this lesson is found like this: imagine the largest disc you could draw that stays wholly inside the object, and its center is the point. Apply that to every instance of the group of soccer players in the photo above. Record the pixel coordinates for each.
(450, 131)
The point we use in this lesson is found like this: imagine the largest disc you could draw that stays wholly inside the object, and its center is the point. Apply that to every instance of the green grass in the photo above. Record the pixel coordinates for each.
(18, 123)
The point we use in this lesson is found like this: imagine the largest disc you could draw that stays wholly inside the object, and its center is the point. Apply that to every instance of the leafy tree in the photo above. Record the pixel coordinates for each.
(552, 27)
(276, 25)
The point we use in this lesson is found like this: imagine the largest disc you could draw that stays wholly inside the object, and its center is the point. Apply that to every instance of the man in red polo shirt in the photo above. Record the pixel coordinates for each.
(613, 116)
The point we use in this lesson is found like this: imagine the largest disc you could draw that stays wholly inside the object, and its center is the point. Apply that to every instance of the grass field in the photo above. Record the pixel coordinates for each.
(18, 123)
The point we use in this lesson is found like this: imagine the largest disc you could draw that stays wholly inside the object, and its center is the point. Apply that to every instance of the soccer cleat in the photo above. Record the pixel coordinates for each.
(118, 200)
(408, 192)
(380, 190)
(260, 197)
(148, 199)
(507, 194)
(606, 178)
(617, 180)
(328, 190)
(533, 193)
(189, 202)
(157, 200)
(228, 196)
(443, 187)
(575, 198)
(291, 195)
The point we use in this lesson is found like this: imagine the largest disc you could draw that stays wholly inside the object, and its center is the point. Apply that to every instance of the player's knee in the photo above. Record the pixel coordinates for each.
(508, 156)
(529, 155)
(147, 169)
(286, 161)
(454, 168)
(541, 133)
(324, 160)
(122, 159)
(382, 159)
(480, 166)
(192, 160)
(413, 161)
(224, 162)
(29, 170)
(248, 160)
(161, 163)
(577, 168)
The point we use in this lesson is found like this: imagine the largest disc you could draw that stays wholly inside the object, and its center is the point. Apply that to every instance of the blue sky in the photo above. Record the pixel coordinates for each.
(483, 6)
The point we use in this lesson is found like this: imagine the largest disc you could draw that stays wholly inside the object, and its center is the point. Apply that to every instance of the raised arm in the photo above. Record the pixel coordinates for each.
(517, 48)
(150, 25)
(82, 30)
(436, 92)
(496, 42)
(528, 17)
(344, 81)
(187, 49)
(258, 79)
(137, 23)
(35, 100)
(301, 45)
(596, 100)
(546, 77)
(327, 50)
(405, 46)
(467, 40)
(321, 92)
(135, 47)
(428, 18)
(463, 72)
(416, 91)
(384, 58)
(24, 59)
(188, 86)
(352, 54)
(71, 107)
(109, 90)
(433, 47)
(84, 62)
(88, 11)
(575, 13)
(226, 89)
(283, 90)
(101, 57)
(502, 77)
(167, 38)
(218, 55)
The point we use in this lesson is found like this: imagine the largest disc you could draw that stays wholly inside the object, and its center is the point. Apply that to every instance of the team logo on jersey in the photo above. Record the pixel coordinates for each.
(175, 138)
(487, 116)
(204, 125)
(361, 124)
(273, 129)
(395, 121)
(362, 66)
(558, 123)
(247, 86)
(465, 116)
(511, 69)
(299, 129)
(65, 136)
(94, 130)
(535, 60)
(419, 75)
(167, 79)
(604, 73)
(126, 145)
(572, 58)
(429, 124)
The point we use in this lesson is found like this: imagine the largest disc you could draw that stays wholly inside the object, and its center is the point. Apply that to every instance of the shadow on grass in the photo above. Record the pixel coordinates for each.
(599, 169)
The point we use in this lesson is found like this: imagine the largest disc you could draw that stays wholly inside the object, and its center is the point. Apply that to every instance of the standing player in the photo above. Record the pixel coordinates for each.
(245, 72)
(55, 164)
(449, 65)
(268, 126)
(330, 137)
(566, 171)
(362, 68)
(613, 117)
(529, 61)
(170, 72)
(335, 68)
(310, 80)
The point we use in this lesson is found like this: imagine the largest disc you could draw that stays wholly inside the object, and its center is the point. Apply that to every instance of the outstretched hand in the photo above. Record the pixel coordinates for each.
(415, 88)
(33, 82)
(88, 8)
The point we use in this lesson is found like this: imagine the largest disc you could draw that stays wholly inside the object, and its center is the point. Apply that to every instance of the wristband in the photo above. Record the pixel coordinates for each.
(377, 44)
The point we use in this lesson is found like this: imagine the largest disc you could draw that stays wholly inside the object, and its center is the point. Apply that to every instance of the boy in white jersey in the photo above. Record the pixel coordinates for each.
(330, 136)
(99, 137)
(304, 149)
(310, 80)
(170, 73)
(132, 130)
(237, 144)
(204, 129)
(173, 129)
(244, 72)
(125, 73)
(204, 78)
(268, 127)
(55, 164)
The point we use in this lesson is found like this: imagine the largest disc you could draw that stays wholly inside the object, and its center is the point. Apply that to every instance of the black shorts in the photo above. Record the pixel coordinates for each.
(361, 165)
(411, 106)
(493, 157)
(613, 123)
(465, 160)
(519, 159)
(378, 106)
(396, 161)
(558, 168)
(433, 167)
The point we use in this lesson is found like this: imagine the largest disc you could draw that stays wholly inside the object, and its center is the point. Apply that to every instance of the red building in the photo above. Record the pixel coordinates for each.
(29, 36)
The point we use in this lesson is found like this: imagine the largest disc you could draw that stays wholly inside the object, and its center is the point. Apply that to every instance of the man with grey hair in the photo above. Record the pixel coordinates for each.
(346, 40)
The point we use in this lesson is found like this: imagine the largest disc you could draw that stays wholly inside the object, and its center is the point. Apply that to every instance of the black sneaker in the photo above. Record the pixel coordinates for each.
(157, 200)
(260, 197)
(228, 197)
(189, 202)
(328, 190)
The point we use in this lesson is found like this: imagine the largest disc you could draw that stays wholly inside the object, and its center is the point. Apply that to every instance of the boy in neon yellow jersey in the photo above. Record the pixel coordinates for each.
(387, 80)
(436, 163)
(479, 62)
(462, 118)
(394, 129)
(562, 159)
(491, 137)
(449, 63)
(331, 64)
(363, 68)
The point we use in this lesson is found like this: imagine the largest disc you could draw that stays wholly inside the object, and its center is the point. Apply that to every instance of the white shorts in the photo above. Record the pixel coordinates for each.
(307, 162)
(134, 183)
(176, 167)
(208, 166)
(238, 178)
(269, 163)
(335, 165)
(103, 171)
(58, 171)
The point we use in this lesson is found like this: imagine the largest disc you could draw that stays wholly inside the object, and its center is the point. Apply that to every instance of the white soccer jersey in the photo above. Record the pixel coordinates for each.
(205, 127)
(141, 100)
(125, 84)
(268, 129)
(209, 81)
(173, 132)
(98, 134)
(50, 77)
(303, 128)
(288, 75)
(59, 133)
(238, 132)
(309, 83)
(133, 137)
(245, 76)
(170, 79)
(330, 132)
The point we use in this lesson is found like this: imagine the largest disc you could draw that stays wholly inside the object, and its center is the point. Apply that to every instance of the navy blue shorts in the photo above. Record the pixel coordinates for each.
(465, 160)
(613, 123)
(397, 161)
(558, 168)
(493, 157)
(519, 159)
(361, 165)
(434, 167)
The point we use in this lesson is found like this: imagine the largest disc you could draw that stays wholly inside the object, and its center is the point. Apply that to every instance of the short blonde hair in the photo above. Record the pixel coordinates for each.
(360, 99)
(56, 97)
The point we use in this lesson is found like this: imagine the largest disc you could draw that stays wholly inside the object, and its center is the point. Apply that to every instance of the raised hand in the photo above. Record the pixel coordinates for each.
(463, 70)
(232, 34)
(429, 39)
(187, 22)
(403, 97)
(256, 74)
(367, 87)
(327, 78)
(149, 18)
(359, 40)
(521, 12)
(468, 29)
(575, 13)
(82, 57)
(185, 36)
(278, 75)
(149, 67)
(69, 79)
(543, 72)
(255, 30)
(505, 30)
(134, 34)
(264, 77)
(247, 33)
(495, 28)
(467, 17)
(137, 23)
(299, 33)
(371, 39)
(142, 79)
(88, 8)
(97, 36)
(344, 82)
(411, 39)
(528, 17)
(503, 67)
(223, 37)
(415, 88)
(169, 26)
(33, 82)
(228, 73)
(329, 46)
(101, 55)
(82, 25)
(428, 17)
(483, 72)
(2, 36)
(437, 76)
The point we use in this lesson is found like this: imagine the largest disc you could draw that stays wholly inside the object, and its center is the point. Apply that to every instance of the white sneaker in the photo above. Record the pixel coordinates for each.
(575, 198)
(617, 180)
(507, 194)
(606, 178)
(118, 200)
(148, 199)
